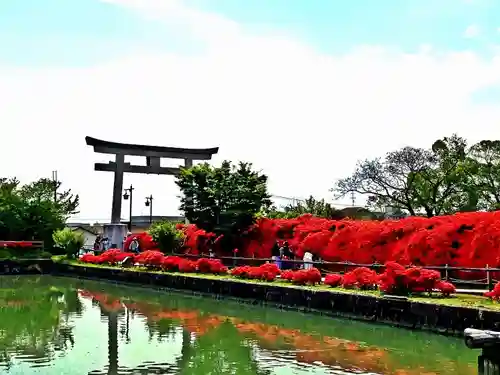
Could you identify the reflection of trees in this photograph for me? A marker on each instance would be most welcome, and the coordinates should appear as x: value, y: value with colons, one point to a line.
x: 31, y: 319
x: 222, y: 351
x: 112, y: 343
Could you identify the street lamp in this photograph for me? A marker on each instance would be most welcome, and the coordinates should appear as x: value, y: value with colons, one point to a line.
x: 149, y: 203
x: 126, y: 196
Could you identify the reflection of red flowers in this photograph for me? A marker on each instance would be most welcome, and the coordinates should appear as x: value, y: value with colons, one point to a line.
x: 106, y: 302
x: 310, y: 348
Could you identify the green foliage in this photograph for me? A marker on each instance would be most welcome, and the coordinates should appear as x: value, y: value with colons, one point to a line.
x: 28, y: 212
x: 167, y: 236
x: 223, y: 199
x: 311, y: 205
x: 68, y: 240
x: 449, y: 177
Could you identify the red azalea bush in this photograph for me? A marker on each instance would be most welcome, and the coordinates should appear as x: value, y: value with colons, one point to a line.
x: 145, y: 241
x: 214, y: 266
x: 186, y: 265
x: 16, y: 244
x: 460, y: 240
x: 495, y: 293
x: 150, y: 258
x: 361, y: 278
x: 333, y: 279
x: 399, y: 280
x: 171, y: 263
x: 265, y: 272
x: 446, y: 288
x: 311, y: 276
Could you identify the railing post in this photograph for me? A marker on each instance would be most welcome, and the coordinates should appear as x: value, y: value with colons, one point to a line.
x: 488, y: 278
x: 446, y: 275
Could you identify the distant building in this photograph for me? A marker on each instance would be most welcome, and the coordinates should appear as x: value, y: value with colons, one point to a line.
x: 89, y: 233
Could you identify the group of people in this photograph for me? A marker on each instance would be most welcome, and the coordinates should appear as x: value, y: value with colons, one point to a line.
x: 102, y: 244
x: 281, y: 255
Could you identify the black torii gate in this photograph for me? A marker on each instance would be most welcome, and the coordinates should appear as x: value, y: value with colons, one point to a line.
x: 153, y: 155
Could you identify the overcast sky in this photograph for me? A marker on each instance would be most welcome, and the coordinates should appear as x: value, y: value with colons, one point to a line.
x: 302, y: 89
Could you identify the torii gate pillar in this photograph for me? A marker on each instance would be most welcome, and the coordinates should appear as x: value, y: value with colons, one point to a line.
x: 153, y: 155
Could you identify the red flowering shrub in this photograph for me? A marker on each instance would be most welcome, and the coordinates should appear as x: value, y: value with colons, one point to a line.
x: 145, y: 241
x: 16, y: 244
x: 446, y: 288
x: 186, y: 265
x: 400, y: 281
x: 361, y: 278
x: 196, y: 240
x: 461, y: 240
x: 495, y: 293
x: 266, y: 272
x: 215, y: 266
x: 170, y: 263
x: 150, y: 258
x: 311, y: 276
x: 333, y: 280
x: 287, y: 275
x: 90, y: 258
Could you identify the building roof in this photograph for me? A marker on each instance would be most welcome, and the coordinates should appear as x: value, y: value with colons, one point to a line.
x: 86, y: 228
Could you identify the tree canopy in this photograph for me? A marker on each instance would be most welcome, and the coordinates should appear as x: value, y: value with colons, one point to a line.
x: 223, y: 199
x: 448, y: 177
x: 311, y: 205
x: 30, y: 212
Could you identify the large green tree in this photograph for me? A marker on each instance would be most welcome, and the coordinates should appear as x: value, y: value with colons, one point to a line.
x: 223, y: 199
x: 416, y: 180
x: 33, y: 211
x: 483, y: 170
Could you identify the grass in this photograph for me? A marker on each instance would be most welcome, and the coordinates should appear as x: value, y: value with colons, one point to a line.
x: 462, y: 300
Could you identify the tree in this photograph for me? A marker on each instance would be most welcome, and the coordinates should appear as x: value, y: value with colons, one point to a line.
x: 414, y: 179
x: 29, y: 212
x: 44, y: 189
x: 483, y: 169
x: 223, y: 199
x: 68, y: 241
x: 311, y: 205
x: 167, y: 236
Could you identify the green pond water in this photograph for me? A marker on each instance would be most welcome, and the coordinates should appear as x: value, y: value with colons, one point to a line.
x: 62, y: 326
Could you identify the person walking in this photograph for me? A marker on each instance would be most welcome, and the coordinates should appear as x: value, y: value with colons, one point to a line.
x: 308, y: 258
x: 134, y: 246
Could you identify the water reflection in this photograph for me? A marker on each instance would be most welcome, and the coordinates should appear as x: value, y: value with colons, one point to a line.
x: 50, y: 325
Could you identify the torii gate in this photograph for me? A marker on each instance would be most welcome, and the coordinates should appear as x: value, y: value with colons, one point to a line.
x: 153, y: 154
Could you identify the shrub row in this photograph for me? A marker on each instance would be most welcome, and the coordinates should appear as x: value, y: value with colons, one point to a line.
x: 156, y: 259
x: 396, y: 279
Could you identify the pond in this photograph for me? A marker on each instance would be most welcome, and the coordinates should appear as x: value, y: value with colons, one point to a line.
x: 62, y: 326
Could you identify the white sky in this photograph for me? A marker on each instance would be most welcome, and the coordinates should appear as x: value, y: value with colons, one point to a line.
x: 301, y: 116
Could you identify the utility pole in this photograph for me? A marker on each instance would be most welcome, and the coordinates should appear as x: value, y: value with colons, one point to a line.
x: 149, y: 203
x: 128, y: 194
x: 54, y: 180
